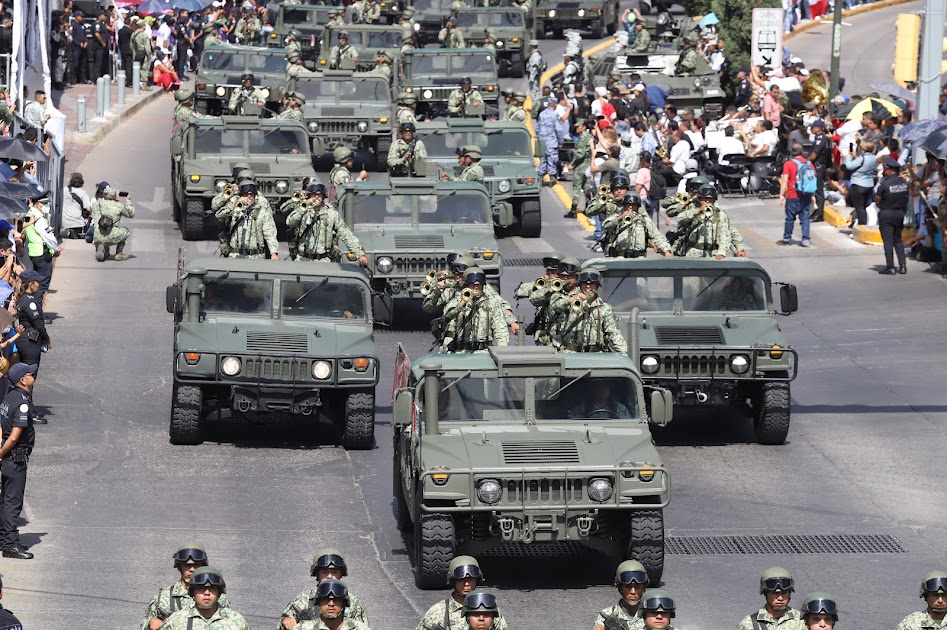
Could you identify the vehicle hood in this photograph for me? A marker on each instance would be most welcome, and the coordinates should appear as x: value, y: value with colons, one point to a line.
x: 698, y: 330
x: 424, y: 240
x: 241, y: 335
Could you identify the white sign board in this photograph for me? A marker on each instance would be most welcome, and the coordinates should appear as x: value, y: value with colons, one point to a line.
x: 767, y: 48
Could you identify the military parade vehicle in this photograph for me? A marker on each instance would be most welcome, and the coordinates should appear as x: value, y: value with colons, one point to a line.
x: 348, y: 109
x: 429, y: 17
x: 711, y: 333
x: 431, y: 74
x: 508, y: 449
x: 509, y: 171
x: 408, y: 226
x: 367, y: 39
x: 598, y: 16
x: 310, y: 20
x: 203, y: 155
x: 220, y: 70
x: 510, y: 34
x: 263, y: 338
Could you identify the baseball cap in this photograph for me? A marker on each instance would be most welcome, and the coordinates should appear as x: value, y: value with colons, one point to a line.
x: 20, y: 370
x: 818, y: 123
x: 30, y: 276
x: 102, y: 185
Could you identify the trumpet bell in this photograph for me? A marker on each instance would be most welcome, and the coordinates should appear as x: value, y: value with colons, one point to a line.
x: 431, y: 275
x: 467, y: 294
x: 540, y: 283
x: 426, y: 288
x: 557, y: 284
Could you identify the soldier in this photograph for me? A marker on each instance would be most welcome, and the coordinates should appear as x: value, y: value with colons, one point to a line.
x: 407, y: 104
x: 372, y: 12
x: 677, y: 203
x: 244, y: 94
x: 629, y: 234
x: 480, y: 611
x: 642, y: 39
x: 515, y: 112
x: 581, y: 160
x: 776, y: 586
x: 450, y: 36
x: 572, y: 72
x: 599, y: 404
x: 328, y: 564
x: 934, y: 593
x: 609, y: 204
x: 332, y: 601
x: 383, y: 63
x: 463, y: 98
x: 292, y: 111
x: 210, y: 35
x: 456, y: 6
x: 489, y: 42
x: 407, y: 43
x: 590, y: 325
x: 657, y: 610
x: 184, y: 110
x: 631, y: 580
x: 819, y: 611
x: 474, y: 320
x: 708, y: 232
x: 337, y: 17
x: 539, y: 292
x: 535, y: 66
x: 405, y: 152
x: 340, y: 173
x: 317, y: 226
x: 549, y: 131
x: 141, y: 49
x: 686, y: 64
x: 187, y: 559
x: 107, y: 213
x: 463, y: 575
x: 445, y: 288
x: 206, y: 587
x: 469, y: 158
x: 251, y: 231
x: 295, y: 68
x: 294, y: 43
x: 342, y: 52
x: 248, y: 28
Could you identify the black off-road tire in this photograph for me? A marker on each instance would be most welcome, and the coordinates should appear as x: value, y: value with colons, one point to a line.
x: 518, y: 70
x: 598, y: 29
x: 771, y: 411
x: 358, y: 425
x: 402, y: 512
x: 531, y: 219
x: 434, y: 545
x: 192, y: 223
x: 646, y: 543
x: 381, y: 154
x: 186, y: 406
x: 540, y: 29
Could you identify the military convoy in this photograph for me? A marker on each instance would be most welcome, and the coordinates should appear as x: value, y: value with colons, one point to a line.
x: 711, y: 334
x: 220, y: 70
x: 310, y: 20
x: 509, y: 447
x: 257, y: 338
x: 431, y: 74
x: 367, y: 39
x: 598, y: 16
x: 510, y: 33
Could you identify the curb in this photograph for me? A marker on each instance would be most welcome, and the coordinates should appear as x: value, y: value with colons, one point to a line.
x: 870, y: 235
x: 113, y: 120
x: 865, y: 8
x: 833, y: 217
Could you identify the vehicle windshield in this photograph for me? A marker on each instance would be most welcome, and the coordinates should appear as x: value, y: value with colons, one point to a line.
x: 452, y: 65
x: 490, y: 18
x: 720, y: 291
x: 511, y: 143
x: 371, y: 40
x: 431, y: 209
x: 302, y: 16
x: 430, y: 5
x: 323, y: 299
x: 346, y: 91
x: 217, y: 141
x: 242, y: 296
x: 239, y: 62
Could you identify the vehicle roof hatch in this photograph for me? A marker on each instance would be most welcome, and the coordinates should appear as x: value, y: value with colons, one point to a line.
x: 527, y: 360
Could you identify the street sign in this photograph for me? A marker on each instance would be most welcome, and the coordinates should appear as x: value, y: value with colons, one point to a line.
x: 767, y: 47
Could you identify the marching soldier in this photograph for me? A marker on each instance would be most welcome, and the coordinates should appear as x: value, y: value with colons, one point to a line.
x: 107, y: 213
x: 317, y: 227
x: 631, y: 580
x: 328, y: 565
x: 581, y: 159
x: 184, y: 110
x: 535, y: 66
x: 686, y: 64
x: 675, y: 204
x: 480, y: 611
x: 340, y: 174
x: 405, y: 152
x: 187, y: 559
x: 450, y: 36
x: 407, y: 104
x: 708, y: 232
x: 609, y: 203
x: 934, y: 593
x: 474, y: 320
x: 331, y: 602
x: 244, y: 94
x: 627, y: 235
x: 776, y: 586
x: 590, y: 324
x: 657, y: 610
x: 515, y: 112
x: 383, y: 63
x: 469, y: 158
x: 342, y: 52
x: 293, y: 43
x: 206, y: 587
x: 463, y: 98
x: 539, y: 293
x: 292, y: 111
x: 251, y: 231
x: 463, y: 576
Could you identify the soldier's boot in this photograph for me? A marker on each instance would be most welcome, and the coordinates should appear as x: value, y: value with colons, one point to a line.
x: 571, y: 213
x: 119, y: 254
x: 100, y: 253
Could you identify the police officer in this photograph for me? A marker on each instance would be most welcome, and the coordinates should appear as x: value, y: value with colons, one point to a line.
x: 317, y: 227
x: 481, y: 612
x: 891, y: 197
x: 590, y: 324
x: 206, y: 587
x: 187, y: 559
x: 405, y: 152
x: 463, y: 576
x: 341, y: 174
x: 819, y: 611
x: 251, y: 230
x: 708, y: 232
x: 549, y: 131
x: 631, y: 580
x: 332, y: 601
x: 535, y: 66
x: 934, y: 593
x: 342, y: 52
x: 469, y: 158
x: 19, y: 437
x: 657, y: 609
x: 327, y: 564
x: 30, y: 313
x: 8, y: 620
x: 777, y: 587
x: 628, y: 234
x: 474, y: 320
x: 247, y: 93
x: 463, y: 99
x: 820, y: 156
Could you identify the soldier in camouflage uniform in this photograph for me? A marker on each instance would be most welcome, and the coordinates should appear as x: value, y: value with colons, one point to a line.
x: 534, y: 68
x: 295, y: 69
x: 657, y: 610
x: 293, y: 43
x: 708, y: 232
x: 819, y: 611
x: 141, y: 47
x: 211, y: 37
x: 341, y: 173
x: 675, y: 204
x: 480, y: 611
x: 463, y: 98
x: 629, y: 234
x: 332, y: 601
x: 515, y: 111
x: 631, y: 580
x: 686, y: 64
x: 934, y: 593
x: 407, y: 103
x: 489, y: 42
x: 317, y: 227
x: 610, y: 204
x: 474, y: 320
x: 469, y: 158
x: 568, y: 273
x: 188, y: 558
x: 244, y: 94
x: 206, y: 612
x: 372, y: 12
x: 463, y: 575
x: 241, y: 173
x: 447, y: 289
x: 107, y: 213
x: 248, y: 28
x: 251, y: 231
x: 292, y: 111
x: 405, y: 152
x: 184, y: 112
x: 327, y: 565
x: 590, y: 325
x: 450, y: 36
x: 538, y: 292
x: 383, y: 64
x: 407, y: 42
x: 776, y: 585
x: 342, y: 52
x: 581, y: 159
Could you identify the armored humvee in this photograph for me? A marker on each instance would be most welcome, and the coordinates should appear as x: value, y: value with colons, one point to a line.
x: 431, y: 74
x: 310, y: 20
x: 257, y: 337
x: 510, y: 32
x: 203, y: 155
x: 367, y: 39
x: 710, y: 334
x: 429, y: 17
x: 598, y: 16
x: 220, y: 69
x: 509, y: 171
x: 510, y: 448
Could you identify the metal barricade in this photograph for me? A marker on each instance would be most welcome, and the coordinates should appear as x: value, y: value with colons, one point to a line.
x: 50, y: 175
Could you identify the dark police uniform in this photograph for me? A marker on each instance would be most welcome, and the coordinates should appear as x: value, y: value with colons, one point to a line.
x: 16, y: 411
x: 100, y: 53
x: 892, y: 199
x: 8, y: 620
x: 821, y: 154
x: 30, y: 343
x: 742, y: 93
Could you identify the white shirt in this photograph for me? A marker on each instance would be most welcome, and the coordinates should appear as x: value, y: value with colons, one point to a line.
x: 696, y: 138
x: 847, y: 133
x: 767, y: 138
x: 729, y: 146
x: 164, y: 36
x: 716, y: 60
x: 680, y: 153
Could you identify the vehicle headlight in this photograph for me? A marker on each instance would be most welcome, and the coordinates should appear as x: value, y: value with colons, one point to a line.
x: 220, y: 91
x: 265, y: 92
x: 581, y: 12
x: 282, y: 186
x: 739, y: 364
x: 646, y: 475
x: 313, y: 126
x: 384, y: 264
x: 488, y: 254
x: 362, y: 126
x: 650, y: 364
x: 417, y: 27
x: 499, y: 43
x: 219, y: 184
x: 488, y: 491
x: 600, y: 490
x: 428, y: 93
x: 230, y: 366
x: 504, y: 186
x: 321, y: 370
x: 552, y: 13
x: 697, y: 83
x: 775, y: 353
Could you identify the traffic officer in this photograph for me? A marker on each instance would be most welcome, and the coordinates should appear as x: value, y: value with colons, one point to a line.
x: 550, y: 132
x: 934, y: 592
x: 631, y: 580
x: 317, y: 227
x: 474, y: 320
x: 686, y: 64
x: 708, y: 232
x: 629, y: 234
x: 30, y: 314
x: 187, y: 559
x: 107, y: 213
x: 463, y: 575
x: 341, y: 174
x: 590, y: 324
x: 331, y: 600
x: 535, y: 66
x: 450, y: 36
x: 406, y: 152
x: 292, y: 111
x: 581, y: 160
x: 891, y: 197
x: 407, y: 104
x: 515, y: 112
x: 8, y: 620
x: 480, y: 611
x: 251, y: 230
x: 342, y: 52
x: 16, y: 424
x: 819, y: 611
x: 777, y: 587
x: 469, y: 158
x: 327, y: 564
x: 657, y: 609
x: 206, y: 587
x: 383, y: 63
x: 184, y: 112
x: 293, y: 43
x: 247, y: 93
x: 464, y: 98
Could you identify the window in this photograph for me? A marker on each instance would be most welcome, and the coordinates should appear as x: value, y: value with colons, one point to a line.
x: 723, y: 292
x: 490, y: 18
x: 482, y: 399
x: 586, y: 398
x: 277, y: 142
x: 362, y: 91
x: 510, y: 143
x: 222, y: 61
x: 431, y: 209
x: 237, y: 296
x: 648, y: 293
x: 323, y: 299
x: 267, y: 64
x: 217, y: 141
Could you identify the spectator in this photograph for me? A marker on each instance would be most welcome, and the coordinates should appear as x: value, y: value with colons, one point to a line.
x: 642, y: 181
x: 862, y: 167
x: 764, y: 141
x: 675, y: 165
x: 836, y: 190
x: 772, y: 110
x: 41, y: 245
x: 76, y: 208
x: 730, y: 145
x: 797, y: 204
x: 163, y: 73
x: 35, y: 112
x: 124, y: 39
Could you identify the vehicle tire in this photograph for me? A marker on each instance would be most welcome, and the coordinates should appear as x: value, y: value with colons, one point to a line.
x: 771, y: 411
x: 531, y: 219
x: 402, y: 513
x: 192, y: 224
x: 358, y: 430
x: 381, y: 154
x: 518, y: 68
x: 646, y: 544
x: 186, y: 406
x: 540, y: 29
x: 613, y: 25
x: 598, y: 29
x: 175, y: 207
x: 434, y: 549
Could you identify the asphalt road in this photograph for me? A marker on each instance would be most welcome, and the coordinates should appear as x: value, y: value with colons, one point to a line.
x: 109, y: 498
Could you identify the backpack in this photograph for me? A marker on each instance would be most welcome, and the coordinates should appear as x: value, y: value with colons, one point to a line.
x: 105, y: 223
x: 658, y: 189
x: 806, y: 181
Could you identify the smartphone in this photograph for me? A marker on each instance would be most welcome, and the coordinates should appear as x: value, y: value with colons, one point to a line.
x: 123, y: 194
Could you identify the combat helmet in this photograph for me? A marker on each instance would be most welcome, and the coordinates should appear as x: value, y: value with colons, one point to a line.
x: 775, y: 579
x: 656, y: 599
x: 407, y: 98
x: 475, y: 275
x: 237, y: 167
x: 551, y: 261
x: 934, y: 582
x: 631, y: 572
x: 569, y: 266
x: 480, y: 601
x: 620, y: 182
x: 296, y: 34
x: 463, y: 566
x: 407, y: 126
x: 316, y: 188
x: 206, y: 576
x: 342, y: 154
x: 461, y: 264
x: 328, y: 558
x: 332, y: 589
x: 190, y: 553
x: 694, y: 184
x: 707, y: 191
x: 631, y: 198
x: 183, y: 96
x: 819, y: 603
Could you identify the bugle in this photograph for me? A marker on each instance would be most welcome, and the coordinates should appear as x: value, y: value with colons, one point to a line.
x: 426, y: 288
x: 230, y: 189
x: 467, y: 295
x: 578, y: 304
x: 299, y: 195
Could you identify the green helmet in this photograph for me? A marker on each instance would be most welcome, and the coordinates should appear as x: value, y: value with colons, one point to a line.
x: 206, y: 576
x: 569, y: 265
x: 475, y: 275
x: 190, y: 553
x: 631, y: 572
x: 328, y: 558
x: 934, y: 582
x: 296, y: 34
x: 183, y: 96
x: 655, y: 599
x: 463, y: 567
x: 342, y: 154
x: 461, y: 264
x: 775, y: 579
x: 694, y: 183
x: 819, y: 603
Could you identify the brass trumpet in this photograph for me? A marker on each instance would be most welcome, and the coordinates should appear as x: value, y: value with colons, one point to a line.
x: 604, y: 192
x: 242, y: 204
x: 299, y: 195
x: 553, y: 285
x: 627, y: 219
x: 467, y: 295
x: 433, y: 275
x: 578, y: 304
x: 427, y: 288
x: 230, y: 189
x: 682, y: 197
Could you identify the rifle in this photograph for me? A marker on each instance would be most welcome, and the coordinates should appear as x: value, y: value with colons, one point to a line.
x: 612, y: 622
x: 409, y: 157
x: 463, y: 331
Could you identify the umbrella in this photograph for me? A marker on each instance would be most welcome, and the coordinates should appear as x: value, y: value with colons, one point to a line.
x: 10, y: 206
x: 14, y: 149
x: 895, y: 90
x: 190, y: 5
x: 936, y: 143
x: 16, y: 190
x: 154, y: 6
x: 878, y: 106
x: 919, y: 130
x: 709, y: 20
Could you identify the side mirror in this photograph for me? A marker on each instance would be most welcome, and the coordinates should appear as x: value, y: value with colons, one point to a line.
x: 177, y: 146
x: 540, y: 148
x: 662, y: 407
x: 504, y: 214
x: 402, y: 412
x: 383, y: 309
x: 171, y: 294
x: 788, y: 299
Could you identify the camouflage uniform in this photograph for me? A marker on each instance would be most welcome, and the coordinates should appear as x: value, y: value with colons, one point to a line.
x: 211, y: 39
x: 631, y: 241
x: 675, y: 204
x: 405, y: 114
x: 251, y: 231
x: 397, y: 167
x: 608, y: 209
x: 292, y: 46
x: 140, y: 42
x: 515, y: 113
x: 116, y: 210
x: 292, y: 113
x: 297, y: 70
x: 581, y: 159
x: 384, y: 69
x: 191, y: 619
x: 920, y: 620
x: 475, y: 326
x: 240, y: 96
x: 338, y: 54
x: 435, y: 617
x: 316, y: 233
x: 354, y: 611
x: 456, y: 103
x: 186, y: 115
x: 642, y: 41
x: 340, y: 175
x: 171, y: 599
x: 457, y: 6
x: 318, y: 624
x: 534, y: 70
x: 248, y: 31
x: 472, y: 173
x: 707, y: 234
x: 686, y: 63
x: 790, y: 620
x: 544, y: 321
x: 594, y: 329
x: 451, y: 38
x: 372, y: 13
x: 633, y: 621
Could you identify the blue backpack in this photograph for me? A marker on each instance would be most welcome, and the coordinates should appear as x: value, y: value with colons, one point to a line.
x: 806, y: 181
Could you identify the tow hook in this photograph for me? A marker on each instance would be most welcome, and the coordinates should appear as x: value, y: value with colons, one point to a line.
x: 243, y: 405
x: 701, y: 396
x: 584, y: 525
x: 305, y: 410
x: 506, y: 528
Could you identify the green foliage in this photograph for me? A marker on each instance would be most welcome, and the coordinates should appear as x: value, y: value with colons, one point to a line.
x: 736, y: 18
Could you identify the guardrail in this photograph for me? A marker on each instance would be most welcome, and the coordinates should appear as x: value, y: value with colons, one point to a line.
x: 50, y: 175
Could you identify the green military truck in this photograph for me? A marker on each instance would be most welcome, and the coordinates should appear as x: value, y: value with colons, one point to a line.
x: 203, y: 155
x: 598, y: 16
x: 509, y: 170
x: 521, y: 446
x: 429, y: 18
x: 431, y: 74
x: 711, y: 333
x: 510, y: 33
x: 220, y: 70
x: 258, y: 337
x: 367, y: 39
x: 345, y: 108
x: 310, y: 20
x: 408, y: 226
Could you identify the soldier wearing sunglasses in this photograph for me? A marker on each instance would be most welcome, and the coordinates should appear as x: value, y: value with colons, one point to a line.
x: 481, y: 612
x: 819, y: 612
x: 631, y: 579
x: 777, y: 586
x: 463, y: 575
x: 934, y: 592
x: 657, y: 610
x: 327, y: 564
x: 187, y: 559
x: 206, y: 587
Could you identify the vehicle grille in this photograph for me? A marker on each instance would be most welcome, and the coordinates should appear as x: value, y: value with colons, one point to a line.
x: 440, y: 93
x: 279, y: 369
x: 545, y: 452
x: 338, y: 111
x: 688, y: 335
x: 694, y: 366
x: 414, y: 242
x: 271, y: 342
x: 573, y: 14
x: 419, y: 265
x: 338, y: 126
x: 543, y: 491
